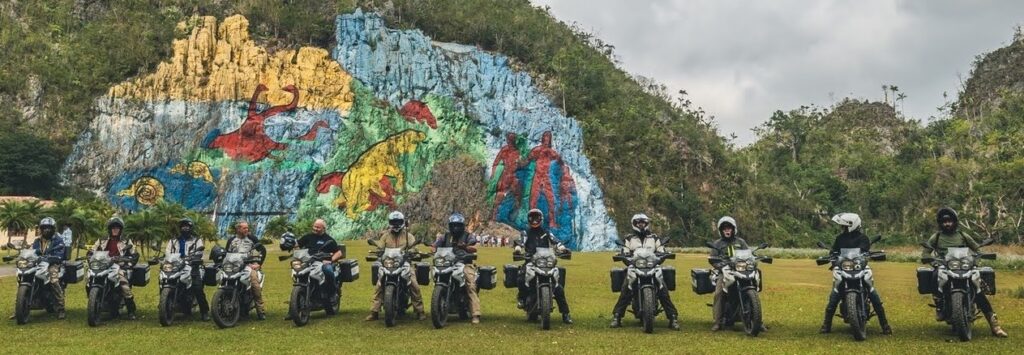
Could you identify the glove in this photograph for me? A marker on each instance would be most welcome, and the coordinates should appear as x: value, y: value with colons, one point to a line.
x: 562, y: 249
x: 517, y: 250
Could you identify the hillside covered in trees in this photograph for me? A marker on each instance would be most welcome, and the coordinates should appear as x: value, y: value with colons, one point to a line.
x: 651, y: 151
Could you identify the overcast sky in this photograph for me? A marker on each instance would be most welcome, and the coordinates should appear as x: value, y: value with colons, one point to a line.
x: 742, y: 60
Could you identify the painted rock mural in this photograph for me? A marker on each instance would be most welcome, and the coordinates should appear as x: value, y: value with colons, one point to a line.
x: 228, y: 128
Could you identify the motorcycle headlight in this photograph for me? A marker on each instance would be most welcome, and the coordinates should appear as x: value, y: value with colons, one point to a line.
x: 24, y: 264
x: 954, y: 265
x: 966, y: 265
x: 741, y: 266
x: 858, y: 266
x: 98, y: 266
x: 847, y: 265
x: 641, y: 263
x: 442, y: 262
x: 231, y: 268
x: 296, y: 265
x: 389, y: 263
x: 545, y: 262
x: 167, y: 267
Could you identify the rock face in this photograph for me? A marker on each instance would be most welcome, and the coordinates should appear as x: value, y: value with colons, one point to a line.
x: 227, y: 128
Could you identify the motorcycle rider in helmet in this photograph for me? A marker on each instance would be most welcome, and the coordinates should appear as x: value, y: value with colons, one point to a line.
x: 48, y: 246
x: 853, y: 237
x: 950, y: 237
x: 185, y: 244
x: 725, y: 246
x: 462, y: 243
x: 642, y: 237
x: 397, y: 236
x: 117, y: 245
x: 536, y: 236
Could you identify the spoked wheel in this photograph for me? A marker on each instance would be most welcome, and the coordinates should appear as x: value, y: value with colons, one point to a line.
x: 298, y: 309
x: 545, y: 307
x: 225, y: 309
x: 166, y: 307
x: 647, y: 305
x: 439, y: 307
x: 960, y: 317
x: 751, y: 313
x: 22, y: 304
x: 390, y: 306
x: 855, y: 317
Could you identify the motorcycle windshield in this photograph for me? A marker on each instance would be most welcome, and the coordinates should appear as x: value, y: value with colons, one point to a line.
x: 28, y: 254
x: 742, y: 254
x: 645, y: 252
x: 958, y: 253
x: 849, y: 253
x: 445, y: 253
x: 393, y: 253
x: 234, y: 259
x: 301, y: 254
x: 172, y: 258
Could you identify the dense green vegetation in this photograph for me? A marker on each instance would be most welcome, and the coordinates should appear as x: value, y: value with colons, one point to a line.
x: 809, y: 162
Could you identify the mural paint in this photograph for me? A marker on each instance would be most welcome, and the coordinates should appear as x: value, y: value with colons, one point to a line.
x: 346, y: 138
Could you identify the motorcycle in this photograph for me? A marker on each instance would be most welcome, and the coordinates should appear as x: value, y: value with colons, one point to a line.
x: 854, y: 282
x: 233, y: 298
x: 647, y: 276
x: 742, y: 289
x: 395, y: 273
x: 958, y: 280
x: 104, y: 288
x: 309, y: 287
x: 450, y: 287
x: 541, y: 274
x: 176, y: 285
x: 35, y: 274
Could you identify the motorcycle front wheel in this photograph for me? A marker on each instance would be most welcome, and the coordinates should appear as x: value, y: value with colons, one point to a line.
x: 854, y: 317
x: 225, y: 309
x: 647, y: 305
x: 960, y: 316
x: 439, y: 307
x: 390, y: 306
x: 298, y: 308
x: 544, y: 307
x: 95, y: 307
x: 166, y: 307
x: 23, y: 304
x: 752, y: 323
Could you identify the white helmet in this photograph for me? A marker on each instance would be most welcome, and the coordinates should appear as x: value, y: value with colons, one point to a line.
x: 846, y: 219
x: 731, y: 222
x: 638, y: 218
x: 397, y: 221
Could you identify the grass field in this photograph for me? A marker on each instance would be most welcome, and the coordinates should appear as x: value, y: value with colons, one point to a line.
x: 794, y: 296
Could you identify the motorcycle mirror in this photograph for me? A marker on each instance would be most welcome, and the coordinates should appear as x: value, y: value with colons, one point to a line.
x: 927, y: 260
x: 619, y: 243
x: 152, y: 262
x: 715, y: 259
x: 762, y: 246
x: 987, y: 256
x: 9, y: 258
x: 767, y: 260
x: 201, y: 248
x: 879, y: 256
x: 709, y: 245
x: 663, y: 240
x: 822, y: 261
x: 619, y: 258
x: 469, y: 258
x: 518, y: 257
x: 925, y: 244
x: 822, y: 245
x: 565, y: 256
x: 670, y: 256
x: 876, y: 239
x: 987, y: 242
x: 371, y: 258
x: 283, y: 257
x: 80, y: 258
x: 373, y: 243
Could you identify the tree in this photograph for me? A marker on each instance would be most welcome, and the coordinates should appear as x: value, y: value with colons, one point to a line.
x: 18, y: 217
x: 28, y: 164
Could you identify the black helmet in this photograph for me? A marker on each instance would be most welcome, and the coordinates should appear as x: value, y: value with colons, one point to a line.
x: 945, y: 214
x: 287, y: 243
x: 535, y: 215
x: 217, y: 254
x: 115, y: 221
x: 457, y: 224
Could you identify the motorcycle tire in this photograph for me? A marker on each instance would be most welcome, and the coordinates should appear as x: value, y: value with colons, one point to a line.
x: 752, y: 323
x: 22, y: 305
x: 95, y: 307
x: 390, y: 308
x: 225, y: 311
x: 648, y: 303
x: 854, y: 317
x: 166, y: 307
x: 960, y: 316
x: 544, y: 307
x: 439, y: 307
x: 299, y: 307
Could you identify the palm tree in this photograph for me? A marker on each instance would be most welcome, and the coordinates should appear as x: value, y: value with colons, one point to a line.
x: 146, y: 229
x: 18, y: 217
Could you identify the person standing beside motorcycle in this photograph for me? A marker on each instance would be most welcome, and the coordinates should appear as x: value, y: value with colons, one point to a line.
x: 48, y: 245
x: 949, y: 236
x: 642, y: 237
x: 318, y: 241
x: 397, y: 236
x: 852, y: 237
x: 724, y: 247
x: 538, y: 237
x: 243, y: 242
x: 462, y: 243
x: 118, y: 246
x: 186, y: 244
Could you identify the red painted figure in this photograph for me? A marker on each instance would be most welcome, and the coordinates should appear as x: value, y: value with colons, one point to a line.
x: 509, y: 157
x: 544, y: 155
x: 250, y: 141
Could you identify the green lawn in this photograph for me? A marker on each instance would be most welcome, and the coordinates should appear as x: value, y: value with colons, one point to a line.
x: 795, y: 293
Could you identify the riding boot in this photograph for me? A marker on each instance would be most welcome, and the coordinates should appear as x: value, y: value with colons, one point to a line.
x: 616, y: 321
x: 371, y: 317
x: 826, y: 324
x: 993, y: 323
x: 939, y: 316
x: 673, y: 323
x: 566, y: 318
x: 130, y: 304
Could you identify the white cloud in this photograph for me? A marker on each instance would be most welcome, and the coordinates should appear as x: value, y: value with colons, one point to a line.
x: 742, y: 60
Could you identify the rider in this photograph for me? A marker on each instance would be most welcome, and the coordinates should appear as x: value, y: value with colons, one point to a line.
x: 462, y: 243
x: 397, y: 236
x: 243, y: 242
x: 724, y: 247
x: 118, y: 246
x: 49, y: 246
x: 186, y: 244
x: 538, y: 237
x: 852, y: 237
x: 318, y: 241
x: 950, y: 237
x: 642, y: 237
